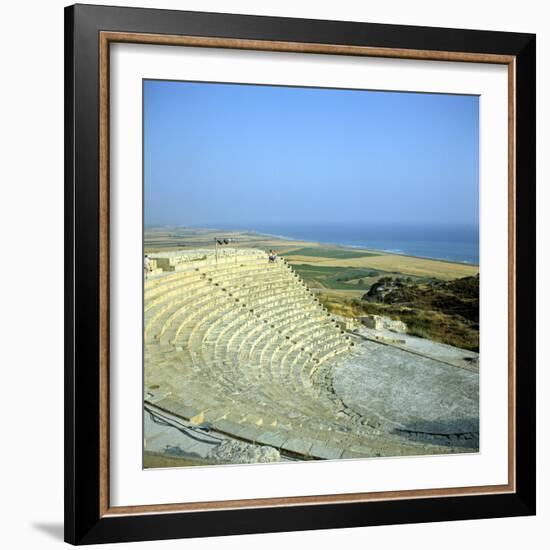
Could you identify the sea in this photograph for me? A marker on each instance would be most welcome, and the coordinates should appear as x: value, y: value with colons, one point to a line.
x: 456, y: 243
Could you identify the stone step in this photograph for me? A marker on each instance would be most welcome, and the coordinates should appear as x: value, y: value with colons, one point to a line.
x: 244, y: 347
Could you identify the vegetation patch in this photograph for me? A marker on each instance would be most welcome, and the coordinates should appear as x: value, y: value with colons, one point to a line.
x: 444, y: 311
x: 159, y: 460
x: 337, y: 253
x: 338, y: 277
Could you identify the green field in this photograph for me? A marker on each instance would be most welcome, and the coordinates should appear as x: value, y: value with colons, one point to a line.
x: 337, y: 253
x: 337, y: 277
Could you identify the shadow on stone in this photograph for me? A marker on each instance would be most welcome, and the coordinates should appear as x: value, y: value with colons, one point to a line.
x: 448, y: 433
x: 177, y: 451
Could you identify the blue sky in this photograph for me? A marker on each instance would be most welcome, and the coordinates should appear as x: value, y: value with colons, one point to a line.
x: 226, y: 154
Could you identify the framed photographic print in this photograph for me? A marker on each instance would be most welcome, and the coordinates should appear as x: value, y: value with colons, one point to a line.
x: 300, y: 283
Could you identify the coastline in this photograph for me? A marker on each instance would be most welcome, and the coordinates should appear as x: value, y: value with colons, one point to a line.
x: 176, y: 236
x: 362, y: 248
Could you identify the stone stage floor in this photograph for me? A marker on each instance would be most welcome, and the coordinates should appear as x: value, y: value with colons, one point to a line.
x: 414, y: 390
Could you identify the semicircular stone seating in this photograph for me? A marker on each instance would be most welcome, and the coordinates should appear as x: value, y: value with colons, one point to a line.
x: 241, y: 343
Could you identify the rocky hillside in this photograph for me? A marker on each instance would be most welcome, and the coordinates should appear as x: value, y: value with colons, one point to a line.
x: 446, y: 311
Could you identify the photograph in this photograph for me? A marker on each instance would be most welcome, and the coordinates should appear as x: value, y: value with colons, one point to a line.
x: 299, y: 273
x: 310, y: 273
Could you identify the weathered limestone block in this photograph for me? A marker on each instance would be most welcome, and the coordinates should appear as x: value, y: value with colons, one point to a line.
x: 379, y: 322
x: 238, y: 452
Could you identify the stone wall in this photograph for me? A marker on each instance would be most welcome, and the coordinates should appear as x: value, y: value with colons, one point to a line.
x: 380, y: 322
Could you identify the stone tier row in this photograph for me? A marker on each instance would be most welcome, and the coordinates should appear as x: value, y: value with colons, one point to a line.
x: 245, y: 346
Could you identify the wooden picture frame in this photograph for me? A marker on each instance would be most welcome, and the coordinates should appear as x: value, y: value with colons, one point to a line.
x: 89, y: 32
